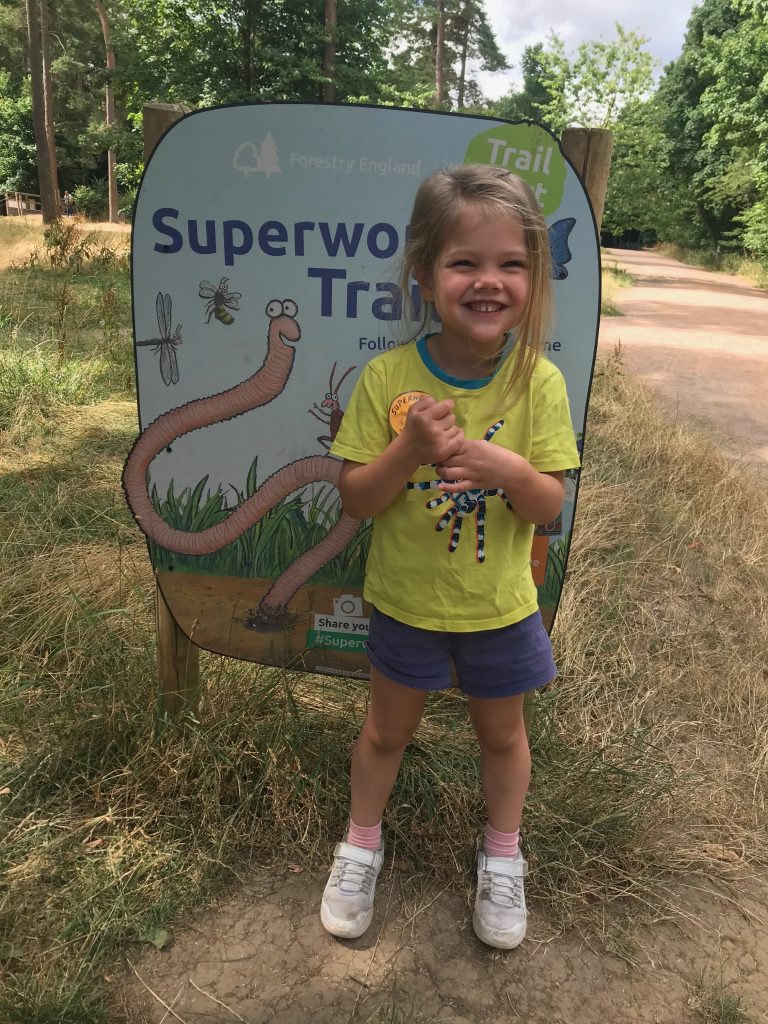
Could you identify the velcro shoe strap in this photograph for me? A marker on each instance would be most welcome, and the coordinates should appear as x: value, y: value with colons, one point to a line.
x: 511, y: 866
x: 356, y: 854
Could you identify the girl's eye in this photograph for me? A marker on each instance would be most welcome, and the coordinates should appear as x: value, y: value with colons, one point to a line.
x: 460, y: 263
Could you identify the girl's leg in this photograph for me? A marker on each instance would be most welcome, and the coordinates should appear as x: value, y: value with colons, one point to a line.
x: 500, y: 915
x: 393, y: 715
x: 505, y: 758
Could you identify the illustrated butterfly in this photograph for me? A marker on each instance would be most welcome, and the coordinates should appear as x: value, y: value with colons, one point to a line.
x: 558, y: 247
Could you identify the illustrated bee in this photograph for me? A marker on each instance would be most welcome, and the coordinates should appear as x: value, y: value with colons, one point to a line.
x: 220, y: 300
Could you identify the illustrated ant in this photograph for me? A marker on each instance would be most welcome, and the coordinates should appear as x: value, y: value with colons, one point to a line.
x: 335, y: 414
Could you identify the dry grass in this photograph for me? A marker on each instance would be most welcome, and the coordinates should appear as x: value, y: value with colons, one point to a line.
x: 754, y: 271
x: 21, y: 237
x: 672, y: 554
x: 613, y: 280
x: 114, y: 822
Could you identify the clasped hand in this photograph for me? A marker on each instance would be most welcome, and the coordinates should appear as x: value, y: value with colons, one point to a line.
x: 431, y: 432
x: 479, y: 465
x: 435, y: 439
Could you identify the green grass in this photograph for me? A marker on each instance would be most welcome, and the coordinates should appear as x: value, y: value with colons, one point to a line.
x: 714, y: 1002
x: 614, y: 278
x: 267, y: 548
x: 115, y: 823
x: 724, y: 262
x: 549, y: 592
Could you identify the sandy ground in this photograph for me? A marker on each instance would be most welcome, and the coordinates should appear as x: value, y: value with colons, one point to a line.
x: 700, y: 340
x: 262, y: 956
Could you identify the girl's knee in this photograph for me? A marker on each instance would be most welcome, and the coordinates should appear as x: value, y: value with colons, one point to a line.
x: 387, y: 739
x: 502, y: 739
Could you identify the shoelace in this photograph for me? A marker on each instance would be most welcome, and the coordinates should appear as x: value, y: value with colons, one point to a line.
x: 506, y: 890
x: 350, y: 873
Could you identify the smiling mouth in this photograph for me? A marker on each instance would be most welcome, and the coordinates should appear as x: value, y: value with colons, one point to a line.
x: 485, y: 307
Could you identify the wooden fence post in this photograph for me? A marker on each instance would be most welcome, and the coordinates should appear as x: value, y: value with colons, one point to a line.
x: 158, y: 118
x: 178, y: 658
x: 589, y: 150
x: 178, y: 662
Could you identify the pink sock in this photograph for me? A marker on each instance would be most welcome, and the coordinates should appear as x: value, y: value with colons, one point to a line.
x: 501, y: 844
x: 366, y: 838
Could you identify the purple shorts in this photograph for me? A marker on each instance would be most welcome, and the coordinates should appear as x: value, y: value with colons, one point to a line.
x: 489, y: 663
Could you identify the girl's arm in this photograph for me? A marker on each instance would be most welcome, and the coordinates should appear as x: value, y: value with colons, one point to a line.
x: 430, y: 434
x: 537, y: 497
x: 367, y: 488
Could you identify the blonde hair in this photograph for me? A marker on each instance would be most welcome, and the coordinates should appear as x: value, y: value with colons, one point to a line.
x: 436, y: 207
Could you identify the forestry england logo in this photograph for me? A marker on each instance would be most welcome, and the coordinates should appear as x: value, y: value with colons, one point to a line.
x: 250, y: 158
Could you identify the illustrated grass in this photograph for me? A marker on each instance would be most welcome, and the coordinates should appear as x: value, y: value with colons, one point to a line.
x: 113, y: 822
x: 287, y: 531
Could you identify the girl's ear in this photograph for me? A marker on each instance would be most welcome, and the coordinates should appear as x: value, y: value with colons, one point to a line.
x: 425, y: 285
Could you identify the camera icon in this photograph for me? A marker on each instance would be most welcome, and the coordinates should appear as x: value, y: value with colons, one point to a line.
x: 347, y: 604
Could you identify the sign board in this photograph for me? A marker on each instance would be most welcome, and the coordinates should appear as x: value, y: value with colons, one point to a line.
x: 265, y: 259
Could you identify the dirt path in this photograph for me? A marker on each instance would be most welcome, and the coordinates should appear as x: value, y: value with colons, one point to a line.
x: 262, y: 957
x: 700, y: 340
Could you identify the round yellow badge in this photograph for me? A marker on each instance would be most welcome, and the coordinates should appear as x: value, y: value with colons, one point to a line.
x: 398, y: 410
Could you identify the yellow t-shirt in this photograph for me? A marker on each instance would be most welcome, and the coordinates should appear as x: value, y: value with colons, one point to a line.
x: 441, y: 567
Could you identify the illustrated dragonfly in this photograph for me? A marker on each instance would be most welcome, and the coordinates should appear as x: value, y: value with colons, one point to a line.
x: 167, y: 343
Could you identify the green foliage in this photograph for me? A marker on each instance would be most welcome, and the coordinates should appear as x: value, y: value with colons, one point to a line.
x: 690, y: 165
x: 713, y: 114
x: 588, y: 88
x: 30, y: 378
x: 535, y: 97
x: 549, y: 592
x: 231, y: 53
x: 18, y: 165
x: 91, y: 200
x: 469, y: 41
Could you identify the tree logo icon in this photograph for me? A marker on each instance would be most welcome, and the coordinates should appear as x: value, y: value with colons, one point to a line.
x: 265, y: 160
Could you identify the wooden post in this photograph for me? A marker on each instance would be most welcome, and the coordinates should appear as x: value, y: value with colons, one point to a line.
x: 589, y: 150
x: 178, y: 662
x: 158, y: 118
x: 178, y: 658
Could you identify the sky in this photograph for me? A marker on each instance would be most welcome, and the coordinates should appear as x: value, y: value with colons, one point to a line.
x: 517, y: 24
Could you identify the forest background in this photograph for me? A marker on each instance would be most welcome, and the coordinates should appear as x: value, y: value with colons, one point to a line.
x: 690, y: 162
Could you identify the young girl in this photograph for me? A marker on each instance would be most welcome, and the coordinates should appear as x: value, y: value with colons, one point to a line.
x: 456, y: 446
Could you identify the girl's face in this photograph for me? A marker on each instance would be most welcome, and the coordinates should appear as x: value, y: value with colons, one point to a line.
x: 480, y: 280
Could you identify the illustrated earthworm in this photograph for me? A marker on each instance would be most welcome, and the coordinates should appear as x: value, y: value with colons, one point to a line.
x: 259, y: 389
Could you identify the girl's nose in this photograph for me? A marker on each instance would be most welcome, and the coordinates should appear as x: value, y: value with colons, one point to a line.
x: 487, y: 279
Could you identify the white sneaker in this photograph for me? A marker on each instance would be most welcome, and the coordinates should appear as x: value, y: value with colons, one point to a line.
x: 347, y: 906
x: 500, y: 915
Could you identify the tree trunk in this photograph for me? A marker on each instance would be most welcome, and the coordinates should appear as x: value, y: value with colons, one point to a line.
x: 465, y: 17
x: 110, y: 112
x: 47, y: 195
x: 329, y: 56
x: 246, y: 35
x: 440, y: 54
x: 48, y: 98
